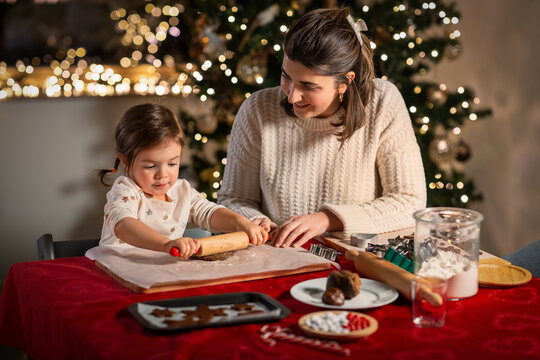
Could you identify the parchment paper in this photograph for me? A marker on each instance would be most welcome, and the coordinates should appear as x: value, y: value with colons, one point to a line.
x: 147, y: 268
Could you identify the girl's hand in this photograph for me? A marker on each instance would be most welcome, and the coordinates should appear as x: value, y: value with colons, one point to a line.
x: 257, y: 234
x: 186, y: 246
x: 265, y: 223
x: 297, y: 230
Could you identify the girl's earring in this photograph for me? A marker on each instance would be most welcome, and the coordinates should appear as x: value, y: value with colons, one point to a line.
x: 340, y: 96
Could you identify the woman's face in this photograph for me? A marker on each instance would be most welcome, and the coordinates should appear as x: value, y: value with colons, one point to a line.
x: 311, y: 94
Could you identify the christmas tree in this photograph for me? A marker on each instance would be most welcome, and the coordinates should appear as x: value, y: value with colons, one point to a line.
x: 218, y: 52
x: 407, y: 37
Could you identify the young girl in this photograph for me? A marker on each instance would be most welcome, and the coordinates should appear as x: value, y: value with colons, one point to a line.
x: 332, y: 149
x: 150, y: 207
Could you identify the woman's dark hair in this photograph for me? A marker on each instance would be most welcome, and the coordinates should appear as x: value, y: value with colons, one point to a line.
x: 141, y: 127
x: 324, y: 41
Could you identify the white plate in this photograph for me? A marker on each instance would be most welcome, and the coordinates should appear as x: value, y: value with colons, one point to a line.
x: 372, y: 294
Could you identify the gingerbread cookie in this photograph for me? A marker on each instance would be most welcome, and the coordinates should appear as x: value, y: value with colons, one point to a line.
x: 204, y: 314
x: 242, y: 307
x: 162, y: 313
x: 216, y: 257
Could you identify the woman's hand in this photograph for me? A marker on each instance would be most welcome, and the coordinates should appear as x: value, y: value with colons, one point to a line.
x: 186, y: 246
x: 297, y: 230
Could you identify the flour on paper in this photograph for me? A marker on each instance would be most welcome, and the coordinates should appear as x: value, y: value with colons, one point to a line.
x: 147, y: 268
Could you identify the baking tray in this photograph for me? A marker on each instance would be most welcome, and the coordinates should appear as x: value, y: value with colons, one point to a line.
x: 193, y: 312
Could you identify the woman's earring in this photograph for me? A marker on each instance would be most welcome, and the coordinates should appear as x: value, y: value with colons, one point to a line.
x: 340, y: 96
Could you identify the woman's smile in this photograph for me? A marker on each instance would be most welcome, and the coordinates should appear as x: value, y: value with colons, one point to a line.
x: 300, y: 107
x: 310, y: 93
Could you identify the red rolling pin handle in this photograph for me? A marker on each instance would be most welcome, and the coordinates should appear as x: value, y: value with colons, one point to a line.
x: 174, y: 251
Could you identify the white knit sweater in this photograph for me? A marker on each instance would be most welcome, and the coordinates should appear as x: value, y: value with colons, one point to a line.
x: 279, y: 166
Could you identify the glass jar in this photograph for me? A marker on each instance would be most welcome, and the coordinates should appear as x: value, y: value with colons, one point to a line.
x: 446, y: 245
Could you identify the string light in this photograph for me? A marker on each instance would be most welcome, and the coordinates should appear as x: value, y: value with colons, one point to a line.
x: 145, y: 70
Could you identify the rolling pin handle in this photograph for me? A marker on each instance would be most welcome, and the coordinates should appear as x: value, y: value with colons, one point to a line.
x: 175, y: 251
x: 432, y: 298
x: 351, y: 255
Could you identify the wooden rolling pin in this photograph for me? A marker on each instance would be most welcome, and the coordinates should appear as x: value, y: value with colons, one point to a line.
x: 222, y: 243
x: 373, y: 267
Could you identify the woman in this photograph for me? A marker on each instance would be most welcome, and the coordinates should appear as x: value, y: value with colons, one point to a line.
x: 332, y: 149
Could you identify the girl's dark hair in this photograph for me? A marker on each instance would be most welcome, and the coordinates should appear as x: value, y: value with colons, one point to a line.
x: 141, y: 127
x: 324, y: 41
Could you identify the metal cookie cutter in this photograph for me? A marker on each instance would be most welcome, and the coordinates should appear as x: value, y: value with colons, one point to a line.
x: 427, y: 249
x: 362, y: 240
x: 325, y: 252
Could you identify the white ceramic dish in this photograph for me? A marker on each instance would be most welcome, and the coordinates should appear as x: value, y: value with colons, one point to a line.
x: 372, y: 294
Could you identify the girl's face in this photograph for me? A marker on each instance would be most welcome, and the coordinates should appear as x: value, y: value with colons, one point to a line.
x: 311, y: 94
x: 155, y: 169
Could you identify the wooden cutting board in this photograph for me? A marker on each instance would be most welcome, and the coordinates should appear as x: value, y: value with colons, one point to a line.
x: 180, y: 285
x: 496, y: 272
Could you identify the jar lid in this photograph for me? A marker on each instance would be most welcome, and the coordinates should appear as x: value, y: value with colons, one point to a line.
x: 448, y: 215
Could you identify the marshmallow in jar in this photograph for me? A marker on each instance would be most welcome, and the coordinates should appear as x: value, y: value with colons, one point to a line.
x: 446, y: 245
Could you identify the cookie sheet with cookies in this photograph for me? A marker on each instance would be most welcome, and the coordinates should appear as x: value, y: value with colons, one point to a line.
x: 197, y: 312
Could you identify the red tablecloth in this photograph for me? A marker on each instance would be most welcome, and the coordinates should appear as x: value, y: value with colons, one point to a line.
x: 69, y: 309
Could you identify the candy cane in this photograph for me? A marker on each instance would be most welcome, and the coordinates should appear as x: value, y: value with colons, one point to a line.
x: 269, y: 335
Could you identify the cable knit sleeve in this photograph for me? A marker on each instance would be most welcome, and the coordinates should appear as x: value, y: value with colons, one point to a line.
x: 241, y: 190
x: 400, y: 169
